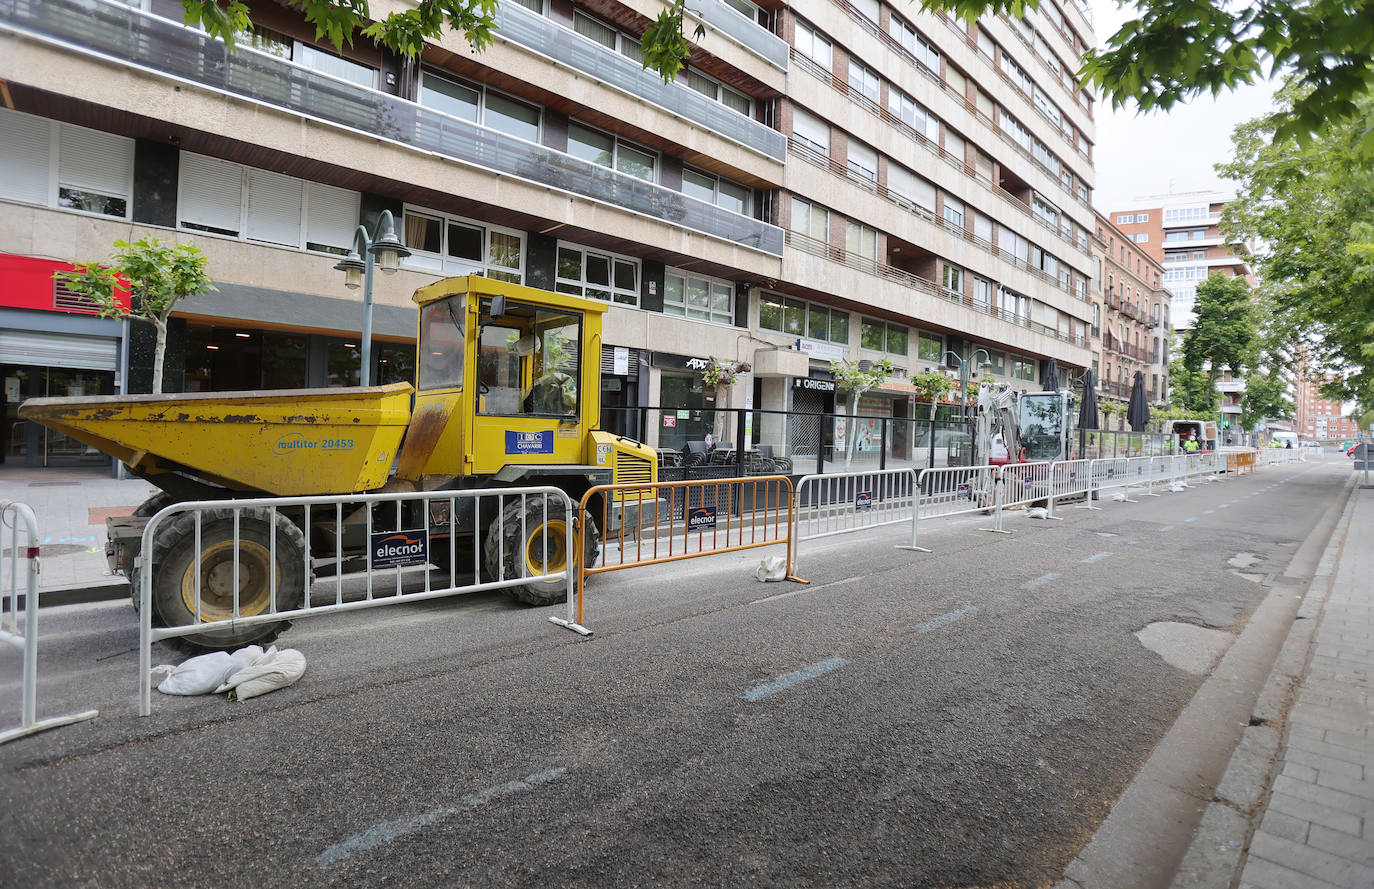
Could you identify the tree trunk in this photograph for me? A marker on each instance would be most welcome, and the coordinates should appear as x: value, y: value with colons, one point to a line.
x: 158, y: 352
x: 719, y: 427
x: 851, y: 428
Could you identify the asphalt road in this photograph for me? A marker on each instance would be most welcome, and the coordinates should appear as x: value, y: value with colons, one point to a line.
x: 963, y: 718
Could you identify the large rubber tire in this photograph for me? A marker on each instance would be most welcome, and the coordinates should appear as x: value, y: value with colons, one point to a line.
x: 153, y: 505
x: 174, y: 561
x: 515, y: 548
x: 147, y: 509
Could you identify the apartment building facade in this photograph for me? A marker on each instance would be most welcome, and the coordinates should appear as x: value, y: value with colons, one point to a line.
x: 1134, y: 311
x: 829, y: 181
x: 1319, y: 418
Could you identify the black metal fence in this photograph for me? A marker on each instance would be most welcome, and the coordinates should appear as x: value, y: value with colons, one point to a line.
x: 696, y: 444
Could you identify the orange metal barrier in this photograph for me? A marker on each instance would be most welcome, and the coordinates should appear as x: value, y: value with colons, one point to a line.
x: 1240, y: 463
x: 684, y: 520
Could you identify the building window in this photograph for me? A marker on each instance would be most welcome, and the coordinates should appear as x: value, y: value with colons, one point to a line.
x: 812, y: 44
x: 479, y: 105
x: 982, y: 292
x: 998, y: 360
x: 930, y: 347
x: 1185, y: 214
x: 597, y: 275
x: 451, y: 245
x: 861, y: 240
x: 704, y: 299
x: 1012, y: 127
x: 953, y: 212
x: 881, y: 336
x: 914, y: 43
x: 953, y: 279
x: 796, y: 317
x: 93, y: 172
x: 811, y: 220
x: 308, y: 56
x: 1022, y: 368
x: 608, y: 151
x: 913, y: 114
x: 1141, y: 237
x: 1015, y: 73
x: 810, y: 133
x: 715, y: 190
x: 862, y: 163
x: 714, y: 89
x: 230, y: 199
x: 863, y: 81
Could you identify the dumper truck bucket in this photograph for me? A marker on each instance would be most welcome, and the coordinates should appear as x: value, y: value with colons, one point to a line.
x: 291, y: 442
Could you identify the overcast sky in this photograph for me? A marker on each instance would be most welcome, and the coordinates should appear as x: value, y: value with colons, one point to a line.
x: 1137, y: 155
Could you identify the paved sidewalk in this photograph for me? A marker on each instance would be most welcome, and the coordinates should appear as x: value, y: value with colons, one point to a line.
x: 71, y: 506
x: 1295, y: 809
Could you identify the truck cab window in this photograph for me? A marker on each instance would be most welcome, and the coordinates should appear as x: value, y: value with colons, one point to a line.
x: 441, y: 345
x: 528, y: 363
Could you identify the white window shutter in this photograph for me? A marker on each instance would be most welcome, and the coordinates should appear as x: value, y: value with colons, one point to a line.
x: 902, y: 181
x: 211, y: 192
x: 25, y: 143
x: 333, y: 216
x: 812, y: 129
x: 274, y: 208
x: 96, y: 162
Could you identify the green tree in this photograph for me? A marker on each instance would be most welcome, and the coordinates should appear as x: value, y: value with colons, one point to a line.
x: 1192, y: 392
x: 158, y: 277
x: 854, y: 379
x: 932, y: 386
x: 1309, y: 210
x: 1223, y: 335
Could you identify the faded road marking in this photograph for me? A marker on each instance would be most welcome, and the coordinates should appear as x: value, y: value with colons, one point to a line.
x: 1208, y: 511
x: 799, y: 591
x: 945, y: 620
x: 1166, y: 528
x: 1044, y: 578
x: 1094, y: 558
x: 1191, y: 519
x: 399, y: 827
x: 797, y: 677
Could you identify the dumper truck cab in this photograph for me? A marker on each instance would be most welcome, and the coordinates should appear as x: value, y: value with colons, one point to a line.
x: 507, y: 395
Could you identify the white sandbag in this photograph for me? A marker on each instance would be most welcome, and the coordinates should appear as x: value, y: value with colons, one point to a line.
x: 274, y: 670
x: 771, y: 569
x: 1037, y: 512
x: 203, y: 673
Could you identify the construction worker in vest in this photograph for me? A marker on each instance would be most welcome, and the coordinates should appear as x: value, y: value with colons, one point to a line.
x: 1190, y: 445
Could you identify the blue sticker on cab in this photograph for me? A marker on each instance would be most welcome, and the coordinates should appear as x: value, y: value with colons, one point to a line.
x: 529, y: 442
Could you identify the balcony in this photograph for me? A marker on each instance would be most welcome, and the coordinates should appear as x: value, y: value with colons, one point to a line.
x: 1230, y: 385
x: 820, y: 248
x: 156, y: 44
x: 546, y: 37
x: 746, y: 33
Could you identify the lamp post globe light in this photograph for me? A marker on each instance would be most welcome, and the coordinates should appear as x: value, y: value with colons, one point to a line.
x: 386, y: 251
x: 963, y: 375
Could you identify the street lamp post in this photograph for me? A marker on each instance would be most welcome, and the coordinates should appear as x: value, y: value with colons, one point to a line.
x: 963, y: 376
x: 387, y: 251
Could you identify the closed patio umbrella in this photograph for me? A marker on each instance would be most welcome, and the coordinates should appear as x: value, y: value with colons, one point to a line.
x: 1051, y: 382
x: 1138, y: 410
x: 1087, y: 412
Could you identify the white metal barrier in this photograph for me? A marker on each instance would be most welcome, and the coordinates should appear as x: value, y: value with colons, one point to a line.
x: 956, y: 490
x: 841, y: 503
x: 1071, y: 478
x: 1020, y: 484
x: 22, y: 633
x: 216, y: 542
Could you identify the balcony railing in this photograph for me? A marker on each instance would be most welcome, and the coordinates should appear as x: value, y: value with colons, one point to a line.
x: 548, y: 38
x: 115, y: 31
x: 748, y: 33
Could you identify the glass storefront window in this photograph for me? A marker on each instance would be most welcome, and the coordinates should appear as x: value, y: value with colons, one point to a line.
x: 344, y: 364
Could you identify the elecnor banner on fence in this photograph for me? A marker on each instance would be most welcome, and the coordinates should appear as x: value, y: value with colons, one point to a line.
x: 701, y: 518
x: 399, y: 549
x: 863, y: 500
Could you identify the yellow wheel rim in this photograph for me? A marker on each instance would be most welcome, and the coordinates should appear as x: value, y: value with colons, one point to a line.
x: 217, y: 581
x: 552, y: 534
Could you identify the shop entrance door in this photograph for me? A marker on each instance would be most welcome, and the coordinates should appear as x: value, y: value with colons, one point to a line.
x: 28, y: 444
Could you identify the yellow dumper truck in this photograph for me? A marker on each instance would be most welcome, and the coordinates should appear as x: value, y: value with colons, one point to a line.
x: 508, y: 394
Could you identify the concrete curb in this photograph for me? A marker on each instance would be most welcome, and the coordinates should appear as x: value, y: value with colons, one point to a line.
x: 1217, y: 853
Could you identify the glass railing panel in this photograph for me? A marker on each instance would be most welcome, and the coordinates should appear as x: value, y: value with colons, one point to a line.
x: 116, y: 31
x: 749, y: 33
x: 548, y: 38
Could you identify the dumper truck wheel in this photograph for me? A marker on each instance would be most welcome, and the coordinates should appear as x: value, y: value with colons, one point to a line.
x: 537, y: 545
x: 175, y: 572
x: 155, y: 504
